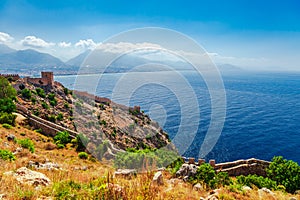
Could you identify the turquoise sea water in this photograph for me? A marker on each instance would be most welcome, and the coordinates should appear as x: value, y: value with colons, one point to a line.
x: 262, y: 110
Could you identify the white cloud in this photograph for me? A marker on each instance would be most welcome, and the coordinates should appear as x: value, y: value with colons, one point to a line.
x: 64, y: 44
x: 86, y: 44
x: 32, y: 41
x: 5, y: 38
x: 123, y: 47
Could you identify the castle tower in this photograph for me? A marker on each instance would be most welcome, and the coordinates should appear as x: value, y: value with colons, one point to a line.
x: 47, y: 78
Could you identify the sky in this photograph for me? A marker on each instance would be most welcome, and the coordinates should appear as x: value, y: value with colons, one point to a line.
x: 251, y: 34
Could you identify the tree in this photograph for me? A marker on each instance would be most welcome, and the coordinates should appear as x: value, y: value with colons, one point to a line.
x: 285, y: 172
x: 7, y: 91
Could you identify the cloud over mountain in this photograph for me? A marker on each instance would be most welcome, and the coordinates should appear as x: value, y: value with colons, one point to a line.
x: 35, y: 42
x: 5, y: 38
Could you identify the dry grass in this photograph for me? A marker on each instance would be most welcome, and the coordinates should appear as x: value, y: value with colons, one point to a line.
x: 97, y: 181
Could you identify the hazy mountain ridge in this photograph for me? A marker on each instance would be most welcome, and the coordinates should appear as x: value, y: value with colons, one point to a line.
x: 31, y: 62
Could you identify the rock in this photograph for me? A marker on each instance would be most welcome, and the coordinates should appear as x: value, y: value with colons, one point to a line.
x: 266, y: 190
x: 18, y: 150
x: 212, y: 197
x: 246, y: 188
x: 186, y: 178
x: 158, y: 178
x: 126, y: 172
x: 27, y: 176
x: 2, y: 196
x: 293, y: 198
x: 45, y: 166
x: 11, y: 137
x: 197, y: 187
x: 189, y: 170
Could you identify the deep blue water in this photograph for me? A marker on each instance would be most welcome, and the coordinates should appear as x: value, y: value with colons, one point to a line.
x: 262, y: 111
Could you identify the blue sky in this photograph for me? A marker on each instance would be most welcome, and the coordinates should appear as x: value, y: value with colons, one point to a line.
x: 252, y: 34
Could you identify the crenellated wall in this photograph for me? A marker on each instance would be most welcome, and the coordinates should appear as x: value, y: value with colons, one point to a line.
x: 236, y: 168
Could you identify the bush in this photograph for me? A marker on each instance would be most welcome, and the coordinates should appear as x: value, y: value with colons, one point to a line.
x: 258, y: 181
x: 27, y: 144
x: 52, y: 118
x: 7, y: 155
x: 40, y: 92
x: 7, y: 105
x: 60, y: 117
x: 80, y: 142
x: 7, y: 91
x: 136, y: 159
x: 206, y: 174
x: 33, y: 100
x: 7, y: 126
x: 45, y: 105
x: 285, y: 172
x: 53, y: 102
x: 83, y: 155
x: 26, y: 93
x: 7, y: 118
x: 62, y: 138
x: 51, y: 96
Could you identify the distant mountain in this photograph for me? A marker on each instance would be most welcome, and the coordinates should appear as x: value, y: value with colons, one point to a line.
x: 5, y: 49
x: 77, y: 60
x: 29, y: 57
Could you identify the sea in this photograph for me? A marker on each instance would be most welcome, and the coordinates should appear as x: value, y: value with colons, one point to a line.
x: 261, y: 118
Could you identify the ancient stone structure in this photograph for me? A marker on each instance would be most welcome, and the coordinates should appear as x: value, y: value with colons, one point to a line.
x: 47, y: 79
x: 236, y: 168
x: 46, y: 126
x: 13, y: 77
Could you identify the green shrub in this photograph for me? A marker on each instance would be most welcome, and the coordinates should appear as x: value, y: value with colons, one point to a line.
x: 7, y: 155
x: 7, y: 91
x: 7, y: 126
x: 7, y: 105
x: 40, y: 92
x: 80, y: 142
x: 51, y: 118
x: 83, y: 155
x: 60, y: 146
x: 33, y: 100
x: 67, y: 91
x: 103, y: 122
x: 206, y: 174
x: 258, y: 181
x: 26, y: 93
x: 66, y: 105
x: 60, y: 117
x: 285, y: 172
x: 53, y: 102
x: 62, y: 137
x: 45, y: 105
x: 51, y: 96
x: 7, y: 118
x: 27, y: 144
x: 136, y: 159
x: 36, y: 112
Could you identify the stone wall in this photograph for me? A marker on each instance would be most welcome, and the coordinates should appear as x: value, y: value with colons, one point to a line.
x: 14, y: 77
x: 48, y: 128
x: 236, y: 168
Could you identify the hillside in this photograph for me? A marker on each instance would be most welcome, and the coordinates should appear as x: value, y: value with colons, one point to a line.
x: 124, y: 127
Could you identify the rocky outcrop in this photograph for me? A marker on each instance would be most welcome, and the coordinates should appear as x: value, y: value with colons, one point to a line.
x: 158, y: 178
x: 187, y: 170
x: 27, y: 176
